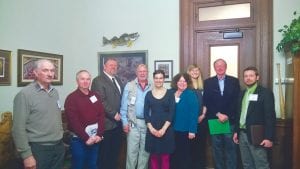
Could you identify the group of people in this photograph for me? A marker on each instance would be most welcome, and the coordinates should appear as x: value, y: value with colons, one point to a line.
x: 165, y: 128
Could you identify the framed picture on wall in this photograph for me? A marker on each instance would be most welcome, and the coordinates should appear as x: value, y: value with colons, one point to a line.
x: 26, y: 59
x: 127, y: 60
x: 5, y: 67
x: 166, y: 66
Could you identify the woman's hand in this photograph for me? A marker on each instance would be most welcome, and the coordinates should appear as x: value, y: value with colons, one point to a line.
x: 192, y: 135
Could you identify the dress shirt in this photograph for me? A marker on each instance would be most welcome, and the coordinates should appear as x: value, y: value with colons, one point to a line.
x: 221, y: 83
x: 245, y: 103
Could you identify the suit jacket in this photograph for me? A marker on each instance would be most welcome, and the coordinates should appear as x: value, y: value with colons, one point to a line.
x: 226, y: 103
x: 110, y: 96
x: 260, y: 112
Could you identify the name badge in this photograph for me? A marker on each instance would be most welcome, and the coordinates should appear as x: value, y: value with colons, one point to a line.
x: 253, y: 97
x: 93, y: 99
x: 132, y: 101
x: 58, y: 104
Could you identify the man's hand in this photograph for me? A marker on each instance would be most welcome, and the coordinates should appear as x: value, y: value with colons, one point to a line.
x: 222, y: 117
x: 126, y: 128
x: 98, y: 138
x: 117, y: 117
x: 235, y: 138
x: 29, y: 163
x: 266, y: 143
x: 90, y: 141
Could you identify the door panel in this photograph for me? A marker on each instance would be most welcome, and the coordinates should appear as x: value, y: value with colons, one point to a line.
x: 255, y: 48
x: 206, y: 40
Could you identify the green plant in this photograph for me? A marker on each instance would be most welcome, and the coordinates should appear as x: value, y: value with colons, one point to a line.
x: 290, y: 36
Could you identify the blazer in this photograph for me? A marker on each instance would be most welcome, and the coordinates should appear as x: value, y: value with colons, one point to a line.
x: 226, y: 103
x: 261, y: 111
x: 110, y: 96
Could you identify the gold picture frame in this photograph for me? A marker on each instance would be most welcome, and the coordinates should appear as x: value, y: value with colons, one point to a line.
x: 26, y: 59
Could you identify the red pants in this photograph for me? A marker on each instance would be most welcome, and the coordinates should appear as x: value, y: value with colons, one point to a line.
x: 160, y: 161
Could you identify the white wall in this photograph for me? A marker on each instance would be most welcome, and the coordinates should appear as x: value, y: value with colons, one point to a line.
x: 75, y: 30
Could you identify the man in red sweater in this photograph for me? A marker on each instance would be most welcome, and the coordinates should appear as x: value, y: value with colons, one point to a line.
x: 85, y: 116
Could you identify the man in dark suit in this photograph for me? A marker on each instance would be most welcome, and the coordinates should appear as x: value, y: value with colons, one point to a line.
x: 220, y: 98
x: 256, y: 107
x: 110, y: 88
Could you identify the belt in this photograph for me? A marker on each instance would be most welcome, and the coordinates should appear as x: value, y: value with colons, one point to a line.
x: 47, y: 143
x: 243, y: 130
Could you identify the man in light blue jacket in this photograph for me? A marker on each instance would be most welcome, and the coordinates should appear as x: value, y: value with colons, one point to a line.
x: 132, y: 116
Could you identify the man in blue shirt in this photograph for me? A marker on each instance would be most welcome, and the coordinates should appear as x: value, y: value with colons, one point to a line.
x: 132, y: 116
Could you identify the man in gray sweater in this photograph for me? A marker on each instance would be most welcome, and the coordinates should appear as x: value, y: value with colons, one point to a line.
x: 37, y: 126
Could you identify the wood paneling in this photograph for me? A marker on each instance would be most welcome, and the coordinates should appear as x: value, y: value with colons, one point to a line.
x: 281, y: 153
x: 296, y: 113
x: 260, y: 21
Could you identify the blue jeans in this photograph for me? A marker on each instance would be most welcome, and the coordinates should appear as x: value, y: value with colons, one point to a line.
x: 224, y: 151
x: 83, y: 155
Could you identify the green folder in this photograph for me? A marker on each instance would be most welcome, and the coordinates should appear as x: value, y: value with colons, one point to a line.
x: 216, y: 127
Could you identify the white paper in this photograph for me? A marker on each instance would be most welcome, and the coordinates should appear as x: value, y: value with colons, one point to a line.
x: 91, y: 129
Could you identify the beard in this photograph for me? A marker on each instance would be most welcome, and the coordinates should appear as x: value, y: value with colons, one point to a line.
x: 251, y: 84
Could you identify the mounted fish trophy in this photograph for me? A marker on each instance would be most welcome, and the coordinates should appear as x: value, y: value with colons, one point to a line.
x: 124, y: 39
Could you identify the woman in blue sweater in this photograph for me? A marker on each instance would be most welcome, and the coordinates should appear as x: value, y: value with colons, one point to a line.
x: 185, y: 119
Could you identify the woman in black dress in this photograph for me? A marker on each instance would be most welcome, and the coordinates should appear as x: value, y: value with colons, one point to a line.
x: 159, y: 108
x: 198, y: 145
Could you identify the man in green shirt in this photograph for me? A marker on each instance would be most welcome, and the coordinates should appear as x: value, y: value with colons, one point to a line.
x: 256, y: 114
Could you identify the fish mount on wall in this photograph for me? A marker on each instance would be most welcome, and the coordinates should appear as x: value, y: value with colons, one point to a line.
x: 124, y: 39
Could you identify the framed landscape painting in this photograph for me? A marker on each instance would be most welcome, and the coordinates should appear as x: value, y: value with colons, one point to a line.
x: 127, y: 61
x: 26, y: 59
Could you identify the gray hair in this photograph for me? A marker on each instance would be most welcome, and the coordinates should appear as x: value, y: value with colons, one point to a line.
x: 220, y: 60
x: 141, y: 65
x: 38, y: 63
x: 81, y: 71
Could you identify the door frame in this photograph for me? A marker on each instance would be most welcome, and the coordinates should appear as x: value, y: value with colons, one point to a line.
x: 262, y: 19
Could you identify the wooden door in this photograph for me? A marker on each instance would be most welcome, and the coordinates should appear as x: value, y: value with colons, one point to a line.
x: 245, y: 47
x: 198, y: 36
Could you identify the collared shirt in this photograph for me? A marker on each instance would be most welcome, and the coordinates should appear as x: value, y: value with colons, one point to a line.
x: 40, y: 87
x: 143, y: 87
x: 116, y: 82
x: 245, y: 103
x: 138, y: 101
x: 221, y: 80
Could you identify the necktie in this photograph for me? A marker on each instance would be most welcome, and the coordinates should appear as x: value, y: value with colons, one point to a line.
x: 115, y: 84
